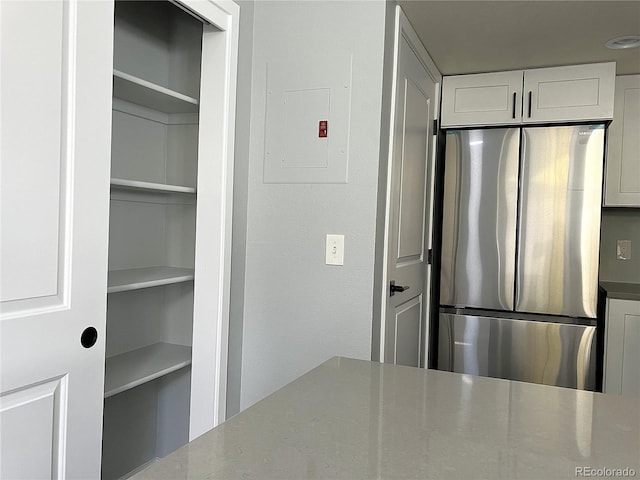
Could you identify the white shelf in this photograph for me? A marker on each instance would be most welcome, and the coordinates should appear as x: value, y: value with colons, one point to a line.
x: 121, y: 183
x: 136, y: 90
x: 128, y: 370
x: 136, y: 278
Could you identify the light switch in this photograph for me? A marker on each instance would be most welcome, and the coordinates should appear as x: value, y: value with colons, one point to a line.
x: 623, y: 250
x: 335, y: 250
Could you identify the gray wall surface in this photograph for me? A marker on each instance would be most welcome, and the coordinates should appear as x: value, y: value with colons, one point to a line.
x: 240, y: 195
x: 298, y: 311
x: 620, y: 224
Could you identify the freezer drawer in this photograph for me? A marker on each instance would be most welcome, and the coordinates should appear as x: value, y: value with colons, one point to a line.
x: 531, y: 351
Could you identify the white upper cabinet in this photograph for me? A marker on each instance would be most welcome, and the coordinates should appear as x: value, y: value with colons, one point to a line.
x: 622, y: 184
x: 482, y: 99
x: 542, y: 95
x: 574, y: 93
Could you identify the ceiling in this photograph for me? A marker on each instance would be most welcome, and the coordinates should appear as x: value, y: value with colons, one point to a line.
x: 484, y: 36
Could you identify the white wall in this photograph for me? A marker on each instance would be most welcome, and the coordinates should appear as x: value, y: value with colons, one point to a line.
x: 298, y: 311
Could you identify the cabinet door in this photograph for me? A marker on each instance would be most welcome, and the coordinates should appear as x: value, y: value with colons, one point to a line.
x: 482, y: 99
x: 622, y: 350
x: 573, y: 93
x: 55, y: 124
x: 622, y: 187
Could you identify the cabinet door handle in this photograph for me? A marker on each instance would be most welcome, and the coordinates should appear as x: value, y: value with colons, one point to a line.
x: 530, y: 92
x: 513, y: 111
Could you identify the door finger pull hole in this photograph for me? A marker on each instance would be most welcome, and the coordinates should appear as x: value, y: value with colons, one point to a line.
x: 89, y: 337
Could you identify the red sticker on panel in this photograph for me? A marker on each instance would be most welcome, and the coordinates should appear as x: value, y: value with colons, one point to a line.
x: 323, y: 128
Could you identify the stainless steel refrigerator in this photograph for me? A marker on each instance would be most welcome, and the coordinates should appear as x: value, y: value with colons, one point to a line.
x: 520, y: 248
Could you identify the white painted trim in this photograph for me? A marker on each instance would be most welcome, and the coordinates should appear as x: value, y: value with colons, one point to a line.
x: 29, y: 307
x: 404, y: 28
x: 213, y: 231
x: 230, y: 108
x: 219, y: 13
x: 416, y: 45
x: 429, y: 268
x: 387, y: 209
x: 67, y: 197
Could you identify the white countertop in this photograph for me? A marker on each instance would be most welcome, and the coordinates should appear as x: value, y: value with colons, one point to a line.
x: 351, y: 419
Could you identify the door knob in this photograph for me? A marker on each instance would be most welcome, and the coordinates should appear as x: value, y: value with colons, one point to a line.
x: 393, y: 288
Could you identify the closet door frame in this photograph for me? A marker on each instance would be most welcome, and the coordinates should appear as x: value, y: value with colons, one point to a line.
x: 214, y: 211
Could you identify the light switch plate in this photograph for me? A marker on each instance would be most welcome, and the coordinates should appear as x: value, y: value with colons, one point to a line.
x: 623, y: 250
x: 335, y: 250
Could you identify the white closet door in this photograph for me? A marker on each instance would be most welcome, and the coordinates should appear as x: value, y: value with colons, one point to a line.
x: 56, y: 67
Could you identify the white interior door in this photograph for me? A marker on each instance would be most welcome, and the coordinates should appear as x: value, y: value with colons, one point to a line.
x: 55, y: 146
x: 410, y: 198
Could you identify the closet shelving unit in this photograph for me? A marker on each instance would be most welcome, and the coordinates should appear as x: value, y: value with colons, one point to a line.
x: 135, y: 278
x: 154, y: 169
x: 137, y: 90
x: 134, y: 185
x: 128, y: 370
